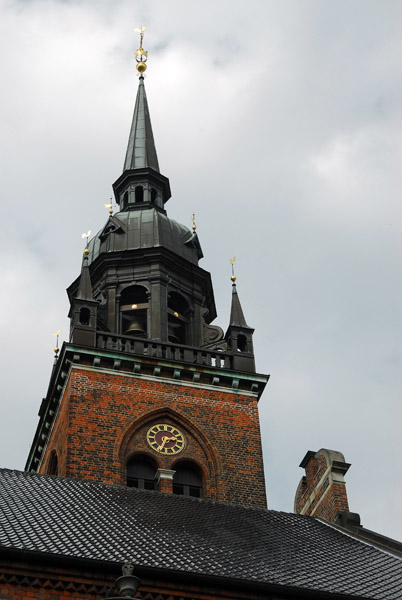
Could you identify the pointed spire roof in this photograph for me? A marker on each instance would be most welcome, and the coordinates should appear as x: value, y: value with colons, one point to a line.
x: 236, y: 313
x: 85, y: 286
x: 141, y: 151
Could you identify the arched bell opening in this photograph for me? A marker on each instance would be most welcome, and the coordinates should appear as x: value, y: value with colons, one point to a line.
x: 187, y: 480
x: 141, y: 470
x: 154, y: 195
x: 178, y: 313
x: 134, y: 311
x: 85, y: 315
x: 139, y: 194
x: 241, y: 343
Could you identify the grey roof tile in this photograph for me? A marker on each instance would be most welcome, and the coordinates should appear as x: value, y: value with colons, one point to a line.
x: 109, y: 522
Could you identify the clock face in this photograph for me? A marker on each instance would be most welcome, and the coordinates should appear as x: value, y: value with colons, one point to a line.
x: 165, y: 439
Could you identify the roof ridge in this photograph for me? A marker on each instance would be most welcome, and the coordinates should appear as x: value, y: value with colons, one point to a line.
x: 354, y: 535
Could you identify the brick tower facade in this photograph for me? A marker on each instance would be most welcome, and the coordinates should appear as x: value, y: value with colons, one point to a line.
x: 148, y: 393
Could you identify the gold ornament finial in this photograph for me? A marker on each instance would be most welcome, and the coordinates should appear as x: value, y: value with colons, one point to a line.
x: 194, y: 223
x: 141, y: 55
x: 56, y: 350
x: 110, y: 205
x: 233, y: 278
x: 86, y: 235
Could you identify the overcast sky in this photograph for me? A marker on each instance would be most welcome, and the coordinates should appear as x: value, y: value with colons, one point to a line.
x: 280, y: 124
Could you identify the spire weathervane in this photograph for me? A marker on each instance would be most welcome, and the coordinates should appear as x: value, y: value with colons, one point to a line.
x: 86, y: 235
x: 141, y: 55
x: 194, y: 223
x: 233, y: 278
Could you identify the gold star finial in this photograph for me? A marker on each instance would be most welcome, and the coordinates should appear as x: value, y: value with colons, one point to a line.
x: 141, y: 55
x: 194, y: 223
x: 233, y: 278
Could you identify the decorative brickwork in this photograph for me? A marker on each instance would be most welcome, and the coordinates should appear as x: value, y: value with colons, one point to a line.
x: 104, y: 416
x: 322, y: 491
x: 66, y: 584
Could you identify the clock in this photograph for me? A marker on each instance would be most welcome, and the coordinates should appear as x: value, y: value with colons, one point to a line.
x: 165, y: 439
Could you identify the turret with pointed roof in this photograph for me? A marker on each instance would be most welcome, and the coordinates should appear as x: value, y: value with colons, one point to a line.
x: 239, y: 335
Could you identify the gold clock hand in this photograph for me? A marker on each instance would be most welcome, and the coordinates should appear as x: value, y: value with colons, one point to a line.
x: 165, y: 438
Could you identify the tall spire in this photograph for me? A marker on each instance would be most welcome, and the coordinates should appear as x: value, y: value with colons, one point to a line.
x: 141, y: 151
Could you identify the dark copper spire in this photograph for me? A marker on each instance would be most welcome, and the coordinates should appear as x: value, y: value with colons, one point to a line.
x: 141, y: 151
x: 85, y: 287
x: 236, y: 312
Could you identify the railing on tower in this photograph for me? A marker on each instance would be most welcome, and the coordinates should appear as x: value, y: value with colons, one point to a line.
x: 164, y: 350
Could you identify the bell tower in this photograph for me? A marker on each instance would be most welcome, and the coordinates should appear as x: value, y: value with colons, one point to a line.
x: 148, y: 392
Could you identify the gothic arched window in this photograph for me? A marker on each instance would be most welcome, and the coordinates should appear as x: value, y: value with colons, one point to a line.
x: 141, y: 472
x: 178, y: 312
x: 134, y: 311
x: 187, y: 481
x: 53, y: 467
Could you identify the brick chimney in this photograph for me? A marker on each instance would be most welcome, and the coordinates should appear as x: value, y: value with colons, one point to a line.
x: 322, y: 490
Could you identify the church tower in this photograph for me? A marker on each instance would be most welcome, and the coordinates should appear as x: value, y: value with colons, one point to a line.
x: 147, y: 392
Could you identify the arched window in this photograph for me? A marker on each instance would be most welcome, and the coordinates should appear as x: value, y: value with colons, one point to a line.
x: 187, y: 481
x: 154, y: 195
x: 141, y: 472
x: 139, y: 194
x: 134, y: 311
x: 178, y: 312
x: 53, y: 467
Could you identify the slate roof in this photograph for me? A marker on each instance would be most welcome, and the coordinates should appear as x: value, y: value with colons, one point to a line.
x: 113, y: 523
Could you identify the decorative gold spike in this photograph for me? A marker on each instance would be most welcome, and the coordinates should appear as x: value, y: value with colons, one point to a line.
x: 141, y: 55
x: 194, y: 223
x: 110, y: 205
x: 56, y: 350
x: 233, y: 278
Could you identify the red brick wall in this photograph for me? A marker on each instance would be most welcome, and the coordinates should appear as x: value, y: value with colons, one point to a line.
x: 104, y: 416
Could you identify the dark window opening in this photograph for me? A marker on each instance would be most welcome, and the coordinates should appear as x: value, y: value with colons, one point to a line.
x: 134, y: 311
x: 154, y: 195
x: 53, y: 467
x: 187, y: 480
x: 241, y: 343
x: 125, y: 198
x: 85, y: 315
x: 139, y: 194
x: 178, y: 312
x: 141, y: 472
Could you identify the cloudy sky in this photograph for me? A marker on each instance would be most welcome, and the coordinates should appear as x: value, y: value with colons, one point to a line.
x: 279, y: 122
